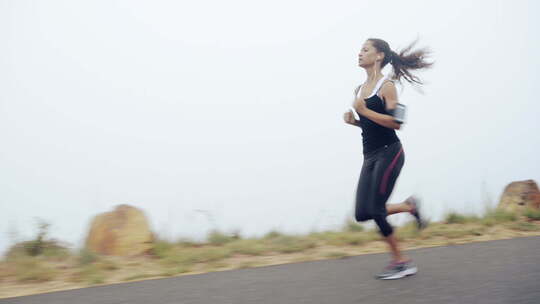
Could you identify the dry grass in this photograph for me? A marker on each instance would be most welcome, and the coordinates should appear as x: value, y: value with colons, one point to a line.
x: 56, y: 268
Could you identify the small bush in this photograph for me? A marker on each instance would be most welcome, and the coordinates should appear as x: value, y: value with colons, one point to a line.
x: 488, y: 221
x: 217, y: 238
x: 533, y: 214
x: 87, y: 256
x: 39, y: 246
x: 352, y: 226
x: 49, y: 249
x: 498, y: 216
x: 273, y: 234
x: 161, y: 249
x: 53, y: 249
x: 455, y: 218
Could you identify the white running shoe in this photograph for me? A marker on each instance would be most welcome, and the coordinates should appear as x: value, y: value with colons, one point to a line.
x: 397, y: 270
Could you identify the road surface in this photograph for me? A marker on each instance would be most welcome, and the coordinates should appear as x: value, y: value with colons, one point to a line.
x: 502, y: 271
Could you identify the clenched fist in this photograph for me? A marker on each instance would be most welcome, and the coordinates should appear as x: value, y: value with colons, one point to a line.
x: 348, y: 117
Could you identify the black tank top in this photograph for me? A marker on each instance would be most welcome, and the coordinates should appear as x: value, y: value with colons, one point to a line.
x: 375, y: 135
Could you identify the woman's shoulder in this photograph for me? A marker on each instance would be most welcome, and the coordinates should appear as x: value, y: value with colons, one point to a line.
x: 389, y: 80
x: 389, y: 84
x: 387, y: 87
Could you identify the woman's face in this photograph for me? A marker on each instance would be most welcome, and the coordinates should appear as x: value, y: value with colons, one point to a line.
x: 368, y: 55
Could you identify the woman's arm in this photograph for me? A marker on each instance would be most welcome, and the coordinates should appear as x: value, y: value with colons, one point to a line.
x: 389, y: 94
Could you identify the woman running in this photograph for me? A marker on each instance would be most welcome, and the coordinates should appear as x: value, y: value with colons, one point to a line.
x: 375, y: 104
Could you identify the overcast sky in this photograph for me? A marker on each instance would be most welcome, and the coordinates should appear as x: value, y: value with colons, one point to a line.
x: 228, y: 114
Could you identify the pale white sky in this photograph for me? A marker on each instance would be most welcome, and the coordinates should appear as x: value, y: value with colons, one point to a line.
x: 235, y: 108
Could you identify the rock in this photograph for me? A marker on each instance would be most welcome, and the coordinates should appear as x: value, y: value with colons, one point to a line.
x: 122, y: 232
x: 520, y: 195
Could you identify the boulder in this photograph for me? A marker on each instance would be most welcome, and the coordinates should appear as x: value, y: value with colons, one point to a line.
x: 122, y: 232
x: 520, y: 195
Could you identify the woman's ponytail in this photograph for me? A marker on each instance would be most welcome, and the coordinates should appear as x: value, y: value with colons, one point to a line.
x: 404, y: 61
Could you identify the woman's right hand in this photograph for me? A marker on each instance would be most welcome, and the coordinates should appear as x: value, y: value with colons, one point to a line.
x: 348, y: 117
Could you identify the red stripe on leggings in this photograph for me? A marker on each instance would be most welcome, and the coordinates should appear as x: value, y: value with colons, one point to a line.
x: 388, y: 170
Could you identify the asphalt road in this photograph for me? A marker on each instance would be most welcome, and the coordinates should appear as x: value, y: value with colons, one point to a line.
x: 503, y: 271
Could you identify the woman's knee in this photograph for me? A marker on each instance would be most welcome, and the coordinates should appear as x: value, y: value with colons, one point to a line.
x: 385, y: 229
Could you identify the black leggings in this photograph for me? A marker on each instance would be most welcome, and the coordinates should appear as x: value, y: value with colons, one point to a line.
x: 380, y: 171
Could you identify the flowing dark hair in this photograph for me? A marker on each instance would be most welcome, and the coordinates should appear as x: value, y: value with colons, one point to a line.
x: 404, y: 61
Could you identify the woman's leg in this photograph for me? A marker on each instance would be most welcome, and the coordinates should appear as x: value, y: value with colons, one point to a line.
x: 363, y: 205
x: 387, y: 171
x: 398, y: 208
x: 397, y: 256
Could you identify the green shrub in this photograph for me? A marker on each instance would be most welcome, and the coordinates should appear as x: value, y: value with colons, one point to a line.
x: 53, y: 249
x: 218, y: 238
x: 456, y: 218
x: 39, y: 246
x: 352, y: 226
x: 273, y: 234
x: 49, y: 249
x: 499, y: 215
x: 488, y: 221
x: 87, y: 256
x: 533, y: 214
x: 161, y: 249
